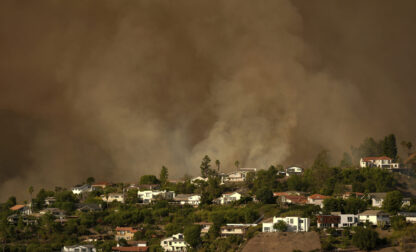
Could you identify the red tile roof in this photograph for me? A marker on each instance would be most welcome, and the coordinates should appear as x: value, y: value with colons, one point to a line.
x: 278, y: 194
x: 296, y: 199
x: 318, y: 196
x: 130, y: 249
x: 126, y: 229
x: 17, y: 207
x: 366, y: 159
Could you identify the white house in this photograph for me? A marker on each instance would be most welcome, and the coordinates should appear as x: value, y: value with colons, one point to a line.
x: 174, y: 243
x: 317, y: 199
x: 190, y: 199
x: 79, y: 248
x: 375, y: 217
x: 81, y: 189
x: 377, y: 199
x: 294, y: 170
x: 50, y: 200
x: 198, y: 179
x: 228, y: 198
x: 119, y: 197
x: 151, y: 195
x: 410, y: 216
x: 22, y: 209
x: 380, y: 162
x: 239, y: 176
x: 347, y: 220
x: 294, y: 224
x: 235, y: 229
x: 205, y: 226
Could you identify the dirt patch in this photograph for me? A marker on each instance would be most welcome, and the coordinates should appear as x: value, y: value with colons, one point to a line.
x: 283, y: 242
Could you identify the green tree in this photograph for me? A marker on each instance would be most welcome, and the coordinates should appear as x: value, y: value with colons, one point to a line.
x: 346, y: 161
x: 148, y: 179
x: 90, y: 180
x: 237, y: 164
x: 122, y: 242
x: 280, y: 226
x: 192, y: 235
x: 265, y: 195
x: 31, y: 195
x: 398, y: 222
x: 333, y: 205
x: 365, y: 238
x: 354, y: 206
x: 393, y: 202
x: 205, y: 166
x: 163, y: 177
x: 320, y: 169
x: 217, y: 163
x: 390, y: 147
x: 408, y: 145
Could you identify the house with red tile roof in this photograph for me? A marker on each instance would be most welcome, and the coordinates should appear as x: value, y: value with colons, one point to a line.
x: 293, y: 199
x: 21, y: 209
x: 380, y: 162
x: 317, y: 199
x: 135, y: 246
x: 126, y: 233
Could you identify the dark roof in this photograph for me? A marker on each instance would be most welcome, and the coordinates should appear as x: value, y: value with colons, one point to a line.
x: 407, y: 214
x: 90, y: 206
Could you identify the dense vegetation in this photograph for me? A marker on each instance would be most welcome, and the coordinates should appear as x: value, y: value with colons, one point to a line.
x: 162, y: 219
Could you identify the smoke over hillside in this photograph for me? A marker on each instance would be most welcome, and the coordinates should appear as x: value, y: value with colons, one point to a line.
x: 116, y: 89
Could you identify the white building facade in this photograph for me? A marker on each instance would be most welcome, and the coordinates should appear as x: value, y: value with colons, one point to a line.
x: 294, y: 224
x: 151, y: 195
x: 174, y: 243
x: 380, y: 162
x: 228, y: 198
x: 375, y: 217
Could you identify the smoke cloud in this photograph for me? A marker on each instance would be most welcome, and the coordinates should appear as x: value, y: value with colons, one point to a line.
x: 116, y: 89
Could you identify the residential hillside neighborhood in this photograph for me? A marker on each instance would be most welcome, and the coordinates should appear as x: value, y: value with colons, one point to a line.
x: 363, y: 203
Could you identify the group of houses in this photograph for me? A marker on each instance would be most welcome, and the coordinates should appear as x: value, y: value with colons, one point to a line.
x: 148, y: 194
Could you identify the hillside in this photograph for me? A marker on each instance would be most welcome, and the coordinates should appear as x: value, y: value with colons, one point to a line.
x: 283, y: 242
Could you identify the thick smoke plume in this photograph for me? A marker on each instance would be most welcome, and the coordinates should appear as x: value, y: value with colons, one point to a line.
x: 116, y: 89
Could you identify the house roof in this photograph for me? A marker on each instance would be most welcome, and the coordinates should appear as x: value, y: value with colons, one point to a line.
x: 230, y: 193
x: 77, y: 246
x: 17, y: 207
x: 296, y: 199
x: 407, y: 214
x: 371, y: 212
x: 378, y: 195
x: 101, y: 184
x: 411, y: 158
x: 278, y: 194
x: 203, y: 223
x: 318, y: 196
x: 144, y: 248
x: 126, y: 229
x: 182, y: 196
x: 354, y: 193
x: 366, y: 159
x: 91, y: 206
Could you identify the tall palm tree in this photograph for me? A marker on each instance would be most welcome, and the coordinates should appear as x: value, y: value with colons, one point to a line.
x: 31, y: 193
x: 237, y: 164
x: 217, y: 162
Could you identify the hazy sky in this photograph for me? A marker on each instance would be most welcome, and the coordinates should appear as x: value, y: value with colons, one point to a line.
x: 116, y: 89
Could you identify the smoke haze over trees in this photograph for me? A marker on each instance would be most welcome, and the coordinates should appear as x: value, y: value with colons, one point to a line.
x: 116, y: 89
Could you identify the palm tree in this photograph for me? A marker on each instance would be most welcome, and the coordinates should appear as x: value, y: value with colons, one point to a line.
x: 217, y: 162
x: 31, y: 192
x: 237, y: 164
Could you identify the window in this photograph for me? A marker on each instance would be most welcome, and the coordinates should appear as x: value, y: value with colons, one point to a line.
x: 300, y: 221
x: 349, y: 219
x: 291, y: 221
